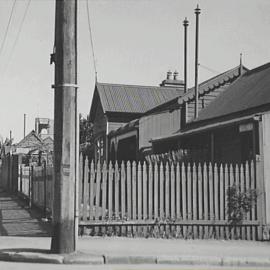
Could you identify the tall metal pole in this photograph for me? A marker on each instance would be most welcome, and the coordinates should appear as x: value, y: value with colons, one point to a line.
x: 185, y: 24
x: 24, y: 124
x: 197, y: 12
x: 65, y: 114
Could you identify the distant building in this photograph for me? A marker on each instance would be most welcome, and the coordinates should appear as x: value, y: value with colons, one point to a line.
x: 37, y: 146
x: 166, y: 119
x: 114, y: 105
x: 44, y: 127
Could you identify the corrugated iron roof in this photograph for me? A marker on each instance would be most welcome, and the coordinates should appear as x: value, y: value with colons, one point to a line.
x: 251, y: 90
x: 134, y: 98
x: 212, y: 83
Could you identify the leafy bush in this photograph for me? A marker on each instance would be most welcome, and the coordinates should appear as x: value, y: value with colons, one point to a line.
x: 239, y: 203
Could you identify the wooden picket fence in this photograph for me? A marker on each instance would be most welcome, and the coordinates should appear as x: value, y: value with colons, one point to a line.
x: 35, y: 183
x: 165, y: 200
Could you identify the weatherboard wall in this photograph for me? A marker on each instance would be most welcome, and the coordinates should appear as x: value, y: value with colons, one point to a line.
x: 204, y: 100
x: 155, y: 125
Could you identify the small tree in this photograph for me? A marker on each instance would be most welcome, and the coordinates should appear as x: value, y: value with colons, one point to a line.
x: 86, y: 136
x: 86, y: 130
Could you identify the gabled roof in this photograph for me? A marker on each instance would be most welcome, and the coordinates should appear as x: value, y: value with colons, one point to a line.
x: 212, y: 83
x: 30, y: 140
x: 132, y: 98
x: 204, y: 87
x: 250, y: 91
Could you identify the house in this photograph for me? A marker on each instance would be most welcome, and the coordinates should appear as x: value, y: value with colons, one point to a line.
x: 32, y: 148
x: 231, y: 127
x: 166, y: 119
x: 30, y: 142
x: 115, y: 105
x: 44, y: 127
x: 234, y: 128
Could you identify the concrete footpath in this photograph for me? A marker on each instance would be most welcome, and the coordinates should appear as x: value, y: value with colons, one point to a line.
x: 97, y: 250
x: 24, y: 238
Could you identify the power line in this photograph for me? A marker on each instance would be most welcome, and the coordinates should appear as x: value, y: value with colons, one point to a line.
x: 19, y: 32
x: 6, y: 32
x: 209, y: 69
x: 91, y: 39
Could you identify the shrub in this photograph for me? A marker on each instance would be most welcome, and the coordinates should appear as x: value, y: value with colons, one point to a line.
x: 239, y: 203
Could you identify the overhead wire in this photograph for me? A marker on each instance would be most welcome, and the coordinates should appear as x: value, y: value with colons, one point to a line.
x: 18, y: 33
x: 209, y: 69
x: 7, y: 28
x: 91, y: 39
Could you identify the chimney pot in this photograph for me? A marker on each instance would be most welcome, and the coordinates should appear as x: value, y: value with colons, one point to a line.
x: 175, y: 75
x: 169, y: 75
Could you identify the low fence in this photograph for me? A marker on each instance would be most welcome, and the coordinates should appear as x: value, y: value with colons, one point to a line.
x: 155, y: 199
x: 35, y: 183
x: 9, y: 172
x: 167, y: 200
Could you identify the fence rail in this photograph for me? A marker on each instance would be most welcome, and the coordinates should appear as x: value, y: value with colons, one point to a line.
x: 189, y: 201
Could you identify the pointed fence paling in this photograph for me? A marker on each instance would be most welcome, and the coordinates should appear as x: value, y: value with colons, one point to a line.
x: 35, y: 183
x: 185, y: 200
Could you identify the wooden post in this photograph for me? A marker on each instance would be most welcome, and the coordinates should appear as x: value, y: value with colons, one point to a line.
x: 259, y: 170
x: 45, y: 189
x: 30, y: 185
x: 65, y: 98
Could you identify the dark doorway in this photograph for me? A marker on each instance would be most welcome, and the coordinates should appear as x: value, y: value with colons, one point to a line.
x: 127, y: 149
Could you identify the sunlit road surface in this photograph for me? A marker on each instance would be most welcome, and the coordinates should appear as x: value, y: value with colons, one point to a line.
x: 34, y: 266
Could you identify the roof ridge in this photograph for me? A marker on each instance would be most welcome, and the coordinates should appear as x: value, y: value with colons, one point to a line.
x: 202, y: 84
x: 257, y: 69
x: 134, y: 85
x: 246, y: 87
x: 221, y: 74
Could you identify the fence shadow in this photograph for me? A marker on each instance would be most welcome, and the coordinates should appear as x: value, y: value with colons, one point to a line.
x: 16, y: 219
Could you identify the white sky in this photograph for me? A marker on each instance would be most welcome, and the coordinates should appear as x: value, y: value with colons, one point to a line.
x: 136, y: 42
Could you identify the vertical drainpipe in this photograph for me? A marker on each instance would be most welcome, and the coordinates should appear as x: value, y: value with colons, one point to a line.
x: 197, y: 12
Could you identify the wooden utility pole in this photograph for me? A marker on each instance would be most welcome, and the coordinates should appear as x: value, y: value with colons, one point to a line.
x: 65, y: 122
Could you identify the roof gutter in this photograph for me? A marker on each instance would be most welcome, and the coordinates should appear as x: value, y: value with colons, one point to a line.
x: 254, y: 117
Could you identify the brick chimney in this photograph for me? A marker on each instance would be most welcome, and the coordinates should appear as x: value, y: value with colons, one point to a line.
x: 172, y: 80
